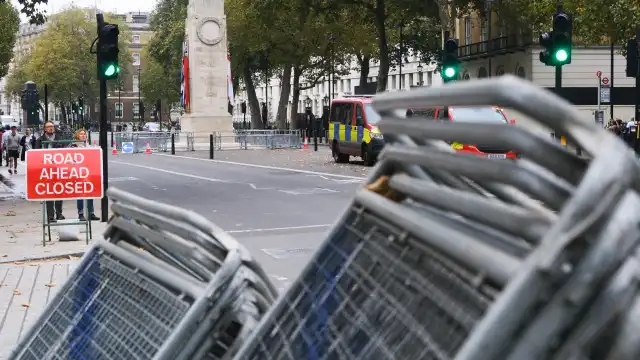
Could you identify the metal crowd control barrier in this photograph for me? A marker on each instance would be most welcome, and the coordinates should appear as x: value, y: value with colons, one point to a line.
x: 447, y: 255
x: 159, y: 141
x: 165, y: 285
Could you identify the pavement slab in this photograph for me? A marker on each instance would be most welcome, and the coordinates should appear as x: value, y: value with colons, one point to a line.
x: 25, y: 291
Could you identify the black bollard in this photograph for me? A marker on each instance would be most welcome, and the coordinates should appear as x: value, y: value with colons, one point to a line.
x: 211, y: 146
x: 173, y: 144
x: 112, y: 138
x: 315, y: 140
x: 89, y: 136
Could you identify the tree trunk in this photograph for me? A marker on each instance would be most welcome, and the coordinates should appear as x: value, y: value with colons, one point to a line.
x: 295, y: 98
x: 285, y: 85
x: 383, y: 69
x: 365, y: 63
x: 254, y: 106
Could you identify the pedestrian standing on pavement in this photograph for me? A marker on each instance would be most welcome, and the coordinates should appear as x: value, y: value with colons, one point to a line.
x: 12, y: 144
x: 27, y: 143
x: 47, y: 141
x: 81, y: 137
x: 7, y: 131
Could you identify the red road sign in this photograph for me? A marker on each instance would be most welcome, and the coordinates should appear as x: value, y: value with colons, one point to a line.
x: 64, y: 174
x: 605, y: 81
x: 599, y: 74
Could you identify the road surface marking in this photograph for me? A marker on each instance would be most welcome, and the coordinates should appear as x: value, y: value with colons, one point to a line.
x: 279, y: 229
x: 253, y: 186
x: 281, y: 253
x: 120, y: 179
x: 308, y: 191
x: 340, y: 181
x: 309, y: 172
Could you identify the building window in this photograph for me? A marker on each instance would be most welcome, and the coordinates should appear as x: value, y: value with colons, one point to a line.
x: 135, y: 81
x: 118, y: 110
x: 136, y: 110
x: 483, y: 30
x: 136, y: 59
x: 482, y: 73
x: 135, y: 39
x: 429, y: 78
x: 393, y: 82
x: 500, y: 71
x: 410, y: 80
x: 466, y: 76
x: 521, y: 73
x: 467, y: 30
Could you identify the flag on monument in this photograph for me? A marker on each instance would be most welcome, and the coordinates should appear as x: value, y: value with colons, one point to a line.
x: 229, y: 80
x: 184, y: 78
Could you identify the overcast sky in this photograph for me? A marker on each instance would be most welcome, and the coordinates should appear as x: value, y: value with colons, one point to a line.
x: 107, y: 5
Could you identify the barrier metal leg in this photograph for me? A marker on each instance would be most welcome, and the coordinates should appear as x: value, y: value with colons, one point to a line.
x: 44, y: 223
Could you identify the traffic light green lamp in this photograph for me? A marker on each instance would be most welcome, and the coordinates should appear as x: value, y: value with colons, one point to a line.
x: 450, y: 63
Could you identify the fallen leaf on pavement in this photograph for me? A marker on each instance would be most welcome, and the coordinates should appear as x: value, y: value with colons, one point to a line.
x: 16, y: 291
x: 2, y: 285
x: 71, y: 257
x: 19, y: 262
x: 10, y: 213
x: 50, y: 285
x: 25, y: 305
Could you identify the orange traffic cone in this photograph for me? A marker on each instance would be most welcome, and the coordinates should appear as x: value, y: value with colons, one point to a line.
x: 306, y: 143
x: 114, y: 149
x: 148, y: 149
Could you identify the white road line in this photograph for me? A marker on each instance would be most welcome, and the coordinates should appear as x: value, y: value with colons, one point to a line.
x: 253, y: 186
x: 265, y: 167
x: 279, y: 229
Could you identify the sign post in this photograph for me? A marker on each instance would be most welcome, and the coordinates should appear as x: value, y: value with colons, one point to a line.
x: 64, y: 174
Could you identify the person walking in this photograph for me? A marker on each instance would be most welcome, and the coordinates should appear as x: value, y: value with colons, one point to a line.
x: 81, y: 137
x: 12, y: 144
x: 47, y: 141
x: 7, y: 131
x: 27, y: 143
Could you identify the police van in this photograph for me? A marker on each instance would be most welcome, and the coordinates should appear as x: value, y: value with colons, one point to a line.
x: 353, y: 129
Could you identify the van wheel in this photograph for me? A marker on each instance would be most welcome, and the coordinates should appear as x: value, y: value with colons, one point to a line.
x: 337, y: 155
x: 367, y: 157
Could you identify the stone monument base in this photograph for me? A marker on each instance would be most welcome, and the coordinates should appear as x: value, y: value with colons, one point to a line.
x: 206, y: 123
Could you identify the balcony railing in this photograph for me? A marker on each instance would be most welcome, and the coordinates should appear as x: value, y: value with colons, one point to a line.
x: 497, y: 46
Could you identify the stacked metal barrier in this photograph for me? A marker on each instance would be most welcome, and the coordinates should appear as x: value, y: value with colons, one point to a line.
x: 165, y: 284
x: 447, y: 255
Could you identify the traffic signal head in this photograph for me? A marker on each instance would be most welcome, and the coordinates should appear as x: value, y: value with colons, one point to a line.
x: 562, y: 32
x: 450, y: 65
x: 108, y: 67
x: 80, y: 104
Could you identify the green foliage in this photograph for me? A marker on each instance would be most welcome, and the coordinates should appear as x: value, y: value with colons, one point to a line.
x: 16, y: 79
x: 61, y: 59
x: 166, y: 46
x: 153, y: 83
x: 9, y: 25
x: 30, y: 9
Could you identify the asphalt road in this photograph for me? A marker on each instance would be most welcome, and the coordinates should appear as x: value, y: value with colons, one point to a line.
x: 280, y: 215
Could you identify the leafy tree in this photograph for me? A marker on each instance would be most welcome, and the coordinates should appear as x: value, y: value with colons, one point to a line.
x: 17, y: 77
x: 166, y: 47
x: 61, y: 59
x: 9, y: 25
x: 31, y: 10
x: 154, y: 85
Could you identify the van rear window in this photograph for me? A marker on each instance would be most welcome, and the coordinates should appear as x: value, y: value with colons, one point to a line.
x: 485, y: 114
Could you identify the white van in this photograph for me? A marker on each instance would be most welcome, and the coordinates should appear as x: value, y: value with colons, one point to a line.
x: 9, y: 120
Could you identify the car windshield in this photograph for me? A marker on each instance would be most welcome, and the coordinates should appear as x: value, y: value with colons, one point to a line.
x: 372, y: 116
x: 477, y: 115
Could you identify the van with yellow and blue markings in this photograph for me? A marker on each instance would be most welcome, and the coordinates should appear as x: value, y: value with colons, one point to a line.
x: 353, y: 129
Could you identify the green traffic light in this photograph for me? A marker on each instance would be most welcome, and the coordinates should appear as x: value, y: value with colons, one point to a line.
x: 449, y: 72
x: 561, y: 55
x: 111, y: 70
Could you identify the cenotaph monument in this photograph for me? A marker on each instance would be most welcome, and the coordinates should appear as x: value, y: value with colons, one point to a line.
x: 206, y: 40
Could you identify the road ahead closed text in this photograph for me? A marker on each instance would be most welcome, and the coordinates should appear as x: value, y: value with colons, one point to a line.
x: 64, y: 174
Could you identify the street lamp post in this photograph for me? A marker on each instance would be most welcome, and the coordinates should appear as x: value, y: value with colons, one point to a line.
x: 332, y: 74
x: 420, y: 83
x: 401, y: 26
x: 139, y: 99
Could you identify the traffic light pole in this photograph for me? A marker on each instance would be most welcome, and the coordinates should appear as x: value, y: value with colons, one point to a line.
x: 637, y: 109
x: 104, y: 204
